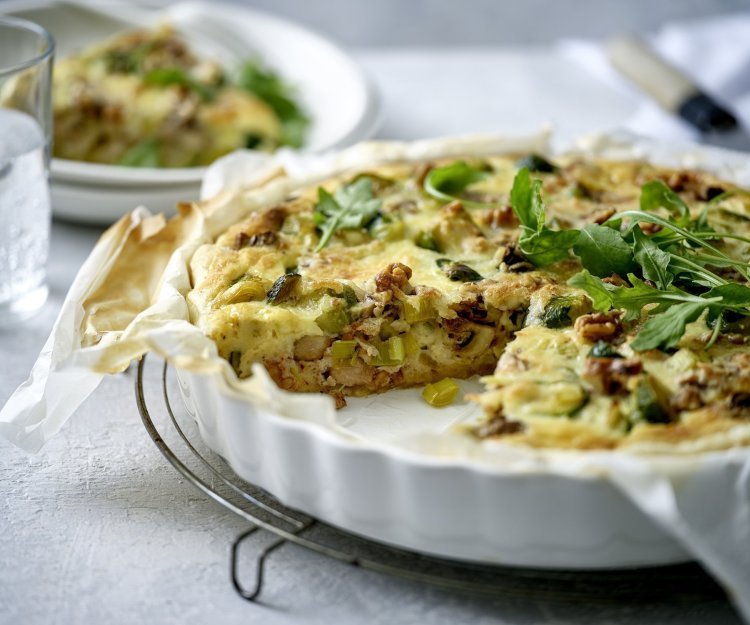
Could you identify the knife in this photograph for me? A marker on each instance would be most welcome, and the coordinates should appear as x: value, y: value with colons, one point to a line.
x: 676, y: 93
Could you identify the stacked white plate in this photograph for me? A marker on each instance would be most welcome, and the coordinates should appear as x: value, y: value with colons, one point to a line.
x: 332, y: 88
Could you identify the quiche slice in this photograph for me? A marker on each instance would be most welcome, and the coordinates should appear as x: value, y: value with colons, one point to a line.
x: 145, y: 99
x: 409, y: 274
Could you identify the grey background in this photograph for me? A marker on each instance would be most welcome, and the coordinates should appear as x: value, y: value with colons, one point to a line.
x: 368, y: 23
x: 484, y: 22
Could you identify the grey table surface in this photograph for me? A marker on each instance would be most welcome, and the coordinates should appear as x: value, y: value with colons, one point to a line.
x: 97, y: 527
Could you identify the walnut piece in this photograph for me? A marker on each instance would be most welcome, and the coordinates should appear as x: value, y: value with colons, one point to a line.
x: 611, y: 375
x: 394, y: 275
x: 599, y: 326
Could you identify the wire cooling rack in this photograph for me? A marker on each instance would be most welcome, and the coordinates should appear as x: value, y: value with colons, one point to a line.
x: 176, y: 436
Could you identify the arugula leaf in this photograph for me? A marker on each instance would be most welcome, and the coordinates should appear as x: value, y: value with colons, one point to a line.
x: 645, y: 404
x: 445, y: 183
x: 656, y: 194
x: 603, y: 251
x: 602, y: 349
x: 351, y: 207
x: 541, y: 245
x: 128, y: 61
x: 548, y: 246
x: 678, y: 233
x: 700, y: 223
x: 557, y: 312
x: 678, y: 261
x: 454, y: 178
x: 167, y: 76
x: 687, y: 269
x: 633, y: 299
x: 664, y: 331
x: 526, y: 200
x: 294, y: 131
x: 269, y: 87
x: 599, y: 292
x: 653, y: 260
x: 732, y: 295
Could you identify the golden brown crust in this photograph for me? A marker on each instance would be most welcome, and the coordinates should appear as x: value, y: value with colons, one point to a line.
x: 131, y: 282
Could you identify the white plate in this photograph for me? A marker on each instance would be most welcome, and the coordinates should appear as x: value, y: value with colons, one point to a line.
x: 339, y: 98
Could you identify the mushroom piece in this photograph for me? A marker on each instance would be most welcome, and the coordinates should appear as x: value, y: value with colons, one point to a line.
x: 311, y: 347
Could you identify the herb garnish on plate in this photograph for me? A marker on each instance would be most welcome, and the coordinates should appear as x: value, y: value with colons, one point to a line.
x: 271, y: 88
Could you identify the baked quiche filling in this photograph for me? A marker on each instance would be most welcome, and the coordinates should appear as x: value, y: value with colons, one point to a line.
x: 604, y: 303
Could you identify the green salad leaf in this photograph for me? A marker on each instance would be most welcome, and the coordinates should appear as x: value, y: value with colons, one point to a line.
x: 446, y: 183
x: 665, y: 330
x: 603, y: 251
x: 526, y: 200
x: 167, y: 76
x: 548, y: 246
x: 599, y: 292
x: 656, y: 194
x: 350, y: 207
x: 540, y: 244
x: 269, y: 87
x: 653, y: 260
x: 143, y: 154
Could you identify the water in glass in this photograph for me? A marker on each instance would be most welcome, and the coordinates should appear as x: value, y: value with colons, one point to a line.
x: 24, y: 214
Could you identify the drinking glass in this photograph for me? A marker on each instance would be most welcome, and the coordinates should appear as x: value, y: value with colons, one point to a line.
x: 26, y: 57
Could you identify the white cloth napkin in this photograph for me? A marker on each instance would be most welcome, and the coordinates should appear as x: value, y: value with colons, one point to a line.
x: 714, y: 52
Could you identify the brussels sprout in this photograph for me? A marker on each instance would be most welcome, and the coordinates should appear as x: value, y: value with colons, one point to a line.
x: 426, y: 240
x: 458, y: 272
x: 283, y: 287
x: 645, y: 405
x: 557, y: 312
x: 602, y: 349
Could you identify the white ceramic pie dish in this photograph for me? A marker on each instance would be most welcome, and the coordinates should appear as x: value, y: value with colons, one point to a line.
x: 450, y: 507
x: 339, y: 98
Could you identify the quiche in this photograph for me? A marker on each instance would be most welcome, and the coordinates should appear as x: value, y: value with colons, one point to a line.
x: 144, y: 98
x: 603, y: 303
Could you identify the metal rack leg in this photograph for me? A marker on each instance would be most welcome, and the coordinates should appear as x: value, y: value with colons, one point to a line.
x: 253, y: 593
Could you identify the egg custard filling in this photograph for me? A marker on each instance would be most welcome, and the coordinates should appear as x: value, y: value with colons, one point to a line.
x: 603, y: 302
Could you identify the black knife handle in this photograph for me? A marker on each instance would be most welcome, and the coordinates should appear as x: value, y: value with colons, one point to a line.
x: 706, y: 115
